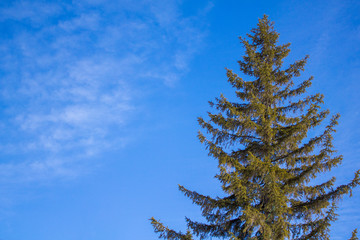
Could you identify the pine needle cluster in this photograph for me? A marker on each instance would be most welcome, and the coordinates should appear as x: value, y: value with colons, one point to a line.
x: 267, y: 162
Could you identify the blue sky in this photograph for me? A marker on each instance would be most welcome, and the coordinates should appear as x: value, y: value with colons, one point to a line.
x: 99, y: 101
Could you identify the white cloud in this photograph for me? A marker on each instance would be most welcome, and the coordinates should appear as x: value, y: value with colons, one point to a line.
x: 72, y: 75
x: 84, y: 21
x: 35, y: 11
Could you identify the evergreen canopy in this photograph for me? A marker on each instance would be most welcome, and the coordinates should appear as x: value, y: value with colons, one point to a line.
x: 266, y: 159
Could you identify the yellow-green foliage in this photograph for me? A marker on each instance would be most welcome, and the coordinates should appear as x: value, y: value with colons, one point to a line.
x: 266, y: 159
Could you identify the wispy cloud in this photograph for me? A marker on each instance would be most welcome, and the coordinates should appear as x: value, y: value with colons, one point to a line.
x: 70, y: 76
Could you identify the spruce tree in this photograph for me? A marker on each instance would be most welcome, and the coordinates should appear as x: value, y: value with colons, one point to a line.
x: 267, y: 161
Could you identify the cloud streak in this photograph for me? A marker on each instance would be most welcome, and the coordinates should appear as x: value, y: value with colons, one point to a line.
x: 71, y: 73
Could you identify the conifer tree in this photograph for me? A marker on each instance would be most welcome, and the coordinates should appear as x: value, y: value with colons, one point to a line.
x: 266, y: 158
